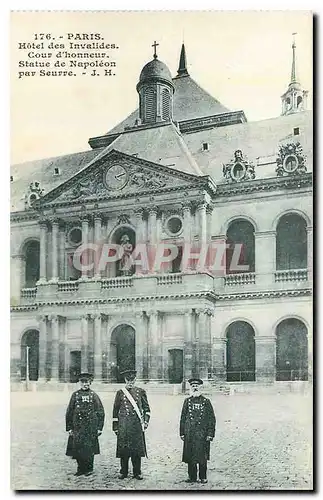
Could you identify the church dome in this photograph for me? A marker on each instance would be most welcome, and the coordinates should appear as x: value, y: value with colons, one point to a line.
x: 155, y: 70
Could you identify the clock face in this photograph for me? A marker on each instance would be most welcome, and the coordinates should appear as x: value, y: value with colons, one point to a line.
x: 116, y: 177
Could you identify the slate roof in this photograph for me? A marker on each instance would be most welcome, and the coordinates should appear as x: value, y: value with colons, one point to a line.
x: 259, y: 141
x: 189, y: 101
x: 43, y: 172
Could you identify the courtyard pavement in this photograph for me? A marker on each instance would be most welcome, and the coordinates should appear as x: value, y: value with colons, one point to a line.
x: 262, y: 442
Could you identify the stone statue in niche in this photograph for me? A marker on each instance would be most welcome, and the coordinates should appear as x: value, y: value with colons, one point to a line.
x: 126, y: 261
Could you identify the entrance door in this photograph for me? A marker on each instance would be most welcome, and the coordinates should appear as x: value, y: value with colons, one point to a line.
x: 30, y: 342
x: 175, y: 366
x: 240, y: 352
x: 291, y: 350
x: 123, y: 351
x: 75, y: 365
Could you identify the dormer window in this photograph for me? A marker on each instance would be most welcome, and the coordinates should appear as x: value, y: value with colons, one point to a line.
x: 296, y: 131
x: 56, y: 171
x: 205, y: 146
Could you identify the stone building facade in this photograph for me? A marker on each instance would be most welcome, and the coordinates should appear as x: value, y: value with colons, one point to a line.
x: 181, y: 171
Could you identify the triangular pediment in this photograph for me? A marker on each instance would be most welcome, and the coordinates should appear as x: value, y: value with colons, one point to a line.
x: 118, y: 175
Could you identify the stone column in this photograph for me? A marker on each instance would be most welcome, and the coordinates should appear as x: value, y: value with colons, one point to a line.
x: 219, y: 356
x: 201, y: 208
x: 204, y: 343
x: 61, y: 272
x: 65, y: 351
x: 188, y: 345
x: 85, y: 239
x: 97, y: 347
x: 97, y: 240
x: 310, y: 253
x: 85, y: 342
x: 43, y: 336
x: 265, y: 258
x: 54, y: 251
x: 43, y: 252
x: 152, y: 225
x: 265, y: 359
x: 153, y: 344
x: 140, y: 230
x: 187, y: 222
x: 55, y: 349
x: 141, y: 344
x: 209, y: 212
x: 105, y: 347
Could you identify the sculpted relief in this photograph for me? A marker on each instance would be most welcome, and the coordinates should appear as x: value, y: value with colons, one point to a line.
x: 117, y: 179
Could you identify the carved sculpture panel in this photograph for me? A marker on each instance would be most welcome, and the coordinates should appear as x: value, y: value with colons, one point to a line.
x: 239, y: 169
x: 291, y: 160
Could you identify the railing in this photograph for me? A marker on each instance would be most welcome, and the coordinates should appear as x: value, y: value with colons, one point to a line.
x: 68, y: 286
x: 240, y: 279
x: 28, y: 293
x: 291, y: 275
x: 170, y: 279
x: 126, y: 282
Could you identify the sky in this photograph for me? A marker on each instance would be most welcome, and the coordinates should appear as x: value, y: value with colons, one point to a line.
x: 243, y: 58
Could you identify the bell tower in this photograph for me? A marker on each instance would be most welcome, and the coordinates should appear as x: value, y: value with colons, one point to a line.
x: 294, y: 99
x: 156, y: 90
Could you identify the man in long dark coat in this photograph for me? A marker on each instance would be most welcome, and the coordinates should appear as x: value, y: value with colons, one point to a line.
x: 84, y: 422
x: 131, y: 416
x: 197, y: 429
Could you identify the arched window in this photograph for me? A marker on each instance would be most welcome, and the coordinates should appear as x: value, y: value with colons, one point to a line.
x: 241, y: 247
x: 166, y: 104
x: 291, y: 350
x: 299, y: 101
x: 150, y: 105
x: 240, y: 352
x: 291, y: 243
x: 31, y: 264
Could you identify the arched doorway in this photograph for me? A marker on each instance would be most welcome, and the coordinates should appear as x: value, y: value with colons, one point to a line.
x: 291, y: 243
x: 240, y: 352
x: 31, y: 263
x: 240, y: 232
x: 291, y: 350
x: 123, y: 351
x: 30, y: 343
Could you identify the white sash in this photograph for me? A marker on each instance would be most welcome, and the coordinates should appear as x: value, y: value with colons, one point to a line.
x: 135, y: 407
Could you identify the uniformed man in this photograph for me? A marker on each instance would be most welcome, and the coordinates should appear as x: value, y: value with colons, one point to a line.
x: 197, y: 429
x: 84, y: 422
x: 131, y: 414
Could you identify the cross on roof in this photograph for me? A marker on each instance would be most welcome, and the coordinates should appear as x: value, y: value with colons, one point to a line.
x: 155, y: 45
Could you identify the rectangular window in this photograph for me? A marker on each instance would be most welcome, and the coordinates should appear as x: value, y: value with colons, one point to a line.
x: 56, y: 171
x: 296, y: 131
x: 205, y: 146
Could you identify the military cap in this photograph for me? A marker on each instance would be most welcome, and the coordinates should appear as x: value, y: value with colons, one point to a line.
x: 195, y: 381
x: 85, y: 376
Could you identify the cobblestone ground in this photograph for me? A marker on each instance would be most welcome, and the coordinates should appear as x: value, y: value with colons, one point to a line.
x: 262, y: 442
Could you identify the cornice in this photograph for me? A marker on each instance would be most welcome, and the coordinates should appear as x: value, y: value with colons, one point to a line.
x: 258, y: 185
x: 209, y: 295
x: 265, y: 294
